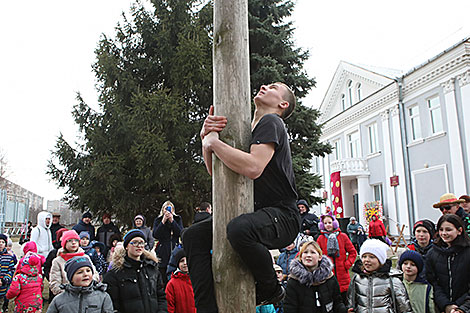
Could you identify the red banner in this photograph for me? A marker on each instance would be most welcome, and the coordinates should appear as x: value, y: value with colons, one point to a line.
x: 336, y: 198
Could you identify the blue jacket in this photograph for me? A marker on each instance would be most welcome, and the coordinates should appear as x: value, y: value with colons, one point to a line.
x: 285, y: 258
x: 81, y: 226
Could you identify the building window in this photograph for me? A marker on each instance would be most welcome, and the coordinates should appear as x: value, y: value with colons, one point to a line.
x: 337, y: 150
x: 378, y: 193
x: 316, y: 165
x: 359, y: 92
x: 415, y: 122
x: 436, y: 115
x: 373, y: 138
x: 353, y: 144
x: 343, y: 101
x: 350, y: 93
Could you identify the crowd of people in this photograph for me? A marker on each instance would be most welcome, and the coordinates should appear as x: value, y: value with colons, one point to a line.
x: 168, y: 268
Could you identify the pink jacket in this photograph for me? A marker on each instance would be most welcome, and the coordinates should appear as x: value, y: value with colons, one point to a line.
x: 27, y: 285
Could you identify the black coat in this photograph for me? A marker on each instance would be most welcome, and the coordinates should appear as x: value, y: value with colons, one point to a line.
x: 446, y: 265
x: 310, y: 222
x: 168, y: 236
x: 81, y: 226
x: 54, y: 228
x: 135, y: 286
x: 313, y: 292
x: 105, y: 232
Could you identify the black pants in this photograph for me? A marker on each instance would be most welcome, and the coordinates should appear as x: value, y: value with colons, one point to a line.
x: 251, y: 236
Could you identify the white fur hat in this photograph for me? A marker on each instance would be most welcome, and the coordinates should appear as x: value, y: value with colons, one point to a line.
x: 375, y: 247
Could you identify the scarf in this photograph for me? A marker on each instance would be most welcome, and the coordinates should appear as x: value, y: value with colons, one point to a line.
x: 332, y: 246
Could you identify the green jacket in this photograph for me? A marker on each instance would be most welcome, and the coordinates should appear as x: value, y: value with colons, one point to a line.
x: 417, y: 295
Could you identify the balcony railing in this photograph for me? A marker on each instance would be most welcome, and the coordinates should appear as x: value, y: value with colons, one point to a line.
x: 350, y: 167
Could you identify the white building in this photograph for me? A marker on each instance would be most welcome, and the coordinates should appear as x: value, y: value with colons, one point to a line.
x: 415, y: 125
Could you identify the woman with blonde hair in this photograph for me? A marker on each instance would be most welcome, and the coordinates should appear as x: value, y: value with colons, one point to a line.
x: 167, y: 230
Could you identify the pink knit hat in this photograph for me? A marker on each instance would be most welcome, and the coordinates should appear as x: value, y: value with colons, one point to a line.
x: 30, y: 246
x: 70, y: 234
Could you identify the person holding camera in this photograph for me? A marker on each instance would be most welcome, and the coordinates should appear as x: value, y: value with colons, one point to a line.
x: 167, y: 230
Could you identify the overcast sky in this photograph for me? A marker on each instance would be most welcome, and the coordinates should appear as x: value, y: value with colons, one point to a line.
x: 48, y: 47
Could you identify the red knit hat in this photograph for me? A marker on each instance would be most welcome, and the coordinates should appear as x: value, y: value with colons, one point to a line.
x: 30, y: 246
x: 69, y: 234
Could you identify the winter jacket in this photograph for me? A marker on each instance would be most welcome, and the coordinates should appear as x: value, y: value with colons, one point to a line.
x: 421, y: 250
x: 310, y: 222
x: 377, y: 228
x: 105, y: 231
x: 48, y: 264
x: 420, y: 293
x: 58, y: 276
x: 81, y: 226
x: 27, y: 285
x: 168, y: 235
x: 285, y: 258
x: 41, y: 234
x: 135, y: 286
x: 91, y: 299
x: 200, y: 216
x: 179, y: 294
x: 342, y: 263
x: 149, y: 240
x: 7, y: 268
x: 352, y: 231
x: 269, y: 308
x: 447, y: 269
x: 465, y: 218
x: 374, y: 292
x: 316, y: 291
x: 54, y: 228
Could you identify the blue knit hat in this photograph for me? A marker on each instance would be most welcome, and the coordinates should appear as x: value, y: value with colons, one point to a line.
x: 412, y: 256
x: 4, y: 238
x: 75, y: 263
x: 131, y: 234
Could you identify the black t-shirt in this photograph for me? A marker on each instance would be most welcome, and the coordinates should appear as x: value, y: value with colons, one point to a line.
x: 276, y: 185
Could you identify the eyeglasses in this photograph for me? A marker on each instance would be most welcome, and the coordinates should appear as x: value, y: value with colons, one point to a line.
x: 137, y: 243
x: 73, y: 240
x: 446, y: 207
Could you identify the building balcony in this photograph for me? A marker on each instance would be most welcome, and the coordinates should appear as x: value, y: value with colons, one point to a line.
x: 350, y: 167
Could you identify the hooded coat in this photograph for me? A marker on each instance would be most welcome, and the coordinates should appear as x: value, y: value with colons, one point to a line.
x: 374, y: 292
x: 41, y: 234
x: 149, y: 240
x: 343, y: 262
x: 135, y: 286
x: 447, y: 269
x: 82, y: 300
x: 27, y: 284
x: 376, y: 228
x: 316, y: 291
x: 179, y: 294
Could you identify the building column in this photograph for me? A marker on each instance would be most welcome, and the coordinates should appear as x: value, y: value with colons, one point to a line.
x: 389, y: 201
x: 464, y: 83
x: 364, y: 191
x: 455, y: 144
x: 402, y: 216
x: 326, y: 179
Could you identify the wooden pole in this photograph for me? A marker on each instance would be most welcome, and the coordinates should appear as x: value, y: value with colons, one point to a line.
x: 232, y: 193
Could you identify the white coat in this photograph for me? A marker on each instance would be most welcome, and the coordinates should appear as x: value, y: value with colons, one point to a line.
x: 41, y: 234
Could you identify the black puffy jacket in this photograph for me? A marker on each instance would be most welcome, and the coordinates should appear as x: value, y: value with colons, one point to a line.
x: 309, y: 292
x: 135, y: 286
x: 448, y: 270
x: 310, y: 222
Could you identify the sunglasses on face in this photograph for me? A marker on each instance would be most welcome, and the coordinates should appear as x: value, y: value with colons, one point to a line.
x: 446, y: 208
x: 137, y: 243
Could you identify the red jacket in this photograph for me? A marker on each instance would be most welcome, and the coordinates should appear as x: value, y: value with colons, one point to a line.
x: 343, y: 263
x: 179, y: 294
x: 377, y: 228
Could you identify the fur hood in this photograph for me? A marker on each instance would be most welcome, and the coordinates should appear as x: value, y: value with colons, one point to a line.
x: 118, y: 259
x: 300, y: 273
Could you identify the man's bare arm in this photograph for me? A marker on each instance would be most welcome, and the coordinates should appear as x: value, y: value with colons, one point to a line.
x: 250, y: 164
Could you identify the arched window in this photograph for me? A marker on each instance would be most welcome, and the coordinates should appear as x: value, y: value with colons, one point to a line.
x: 359, y: 92
x: 343, y: 101
x: 350, y: 93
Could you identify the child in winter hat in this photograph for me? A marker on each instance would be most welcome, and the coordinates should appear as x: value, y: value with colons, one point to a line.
x: 376, y: 286
x: 419, y: 290
x: 82, y: 289
x: 179, y: 291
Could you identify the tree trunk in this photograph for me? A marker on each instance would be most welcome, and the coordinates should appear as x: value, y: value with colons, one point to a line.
x: 232, y: 193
